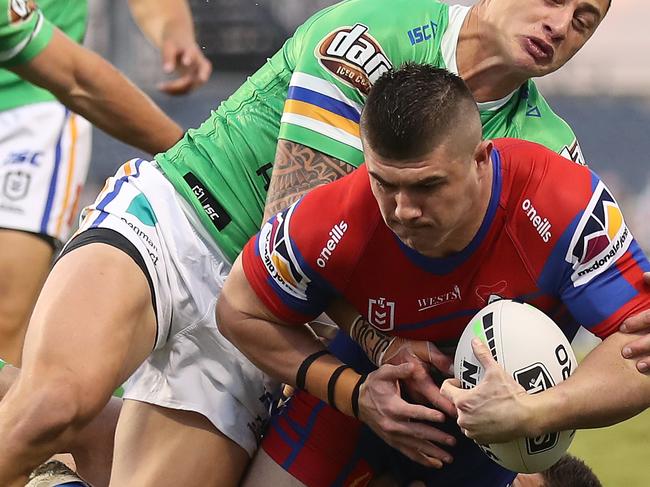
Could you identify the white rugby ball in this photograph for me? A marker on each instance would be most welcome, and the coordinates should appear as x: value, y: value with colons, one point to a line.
x: 530, y: 347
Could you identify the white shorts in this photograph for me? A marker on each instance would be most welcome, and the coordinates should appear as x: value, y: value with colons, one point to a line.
x: 44, y: 158
x: 192, y: 367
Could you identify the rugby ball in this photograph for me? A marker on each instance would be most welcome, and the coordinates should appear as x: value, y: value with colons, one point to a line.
x: 530, y: 347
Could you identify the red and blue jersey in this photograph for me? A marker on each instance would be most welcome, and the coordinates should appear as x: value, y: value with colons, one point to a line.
x: 553, y: 236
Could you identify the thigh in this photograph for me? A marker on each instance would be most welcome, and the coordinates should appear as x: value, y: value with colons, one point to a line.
x: 93, y: 323
x: 25, y: 260
x: 158, y: 447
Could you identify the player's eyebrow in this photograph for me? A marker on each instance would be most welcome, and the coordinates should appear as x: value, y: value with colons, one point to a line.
x: 377, y: 177
x: 430, y: 180
x: 591, y: 9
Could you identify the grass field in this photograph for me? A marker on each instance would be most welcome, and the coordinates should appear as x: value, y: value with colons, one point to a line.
x: 618, y: 454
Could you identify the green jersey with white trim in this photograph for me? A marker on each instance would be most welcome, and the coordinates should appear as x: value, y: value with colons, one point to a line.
x: 25, y: 30
x: 312, y: 91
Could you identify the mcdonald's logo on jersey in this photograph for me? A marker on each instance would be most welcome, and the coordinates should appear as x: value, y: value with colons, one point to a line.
x: 353, y: 56
x: 278, y: 256
x: 600, y: 238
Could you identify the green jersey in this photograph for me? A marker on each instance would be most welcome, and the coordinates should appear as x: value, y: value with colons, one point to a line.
x: 25, y: 30
x: 312, y: 91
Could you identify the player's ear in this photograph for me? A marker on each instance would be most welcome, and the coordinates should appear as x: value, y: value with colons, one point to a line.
x: 482, y: 153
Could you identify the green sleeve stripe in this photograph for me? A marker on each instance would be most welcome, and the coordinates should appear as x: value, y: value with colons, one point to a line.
x: 323, y: 144
x: 34, y: 44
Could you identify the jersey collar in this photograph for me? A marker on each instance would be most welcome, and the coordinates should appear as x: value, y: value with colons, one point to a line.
x: 445, y: 265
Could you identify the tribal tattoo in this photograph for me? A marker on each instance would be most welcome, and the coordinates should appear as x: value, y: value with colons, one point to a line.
x: 298, y: 169
x: 373, y: 342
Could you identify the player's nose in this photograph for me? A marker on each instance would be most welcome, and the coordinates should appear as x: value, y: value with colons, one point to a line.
x: 406, y: 208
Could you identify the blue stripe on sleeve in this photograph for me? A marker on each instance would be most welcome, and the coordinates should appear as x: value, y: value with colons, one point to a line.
x: 328, y: 103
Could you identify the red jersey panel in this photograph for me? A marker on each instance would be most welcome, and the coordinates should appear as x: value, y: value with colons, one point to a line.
x: 553, y: 236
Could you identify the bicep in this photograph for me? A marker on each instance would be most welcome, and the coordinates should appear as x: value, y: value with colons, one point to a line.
x: 298, y: 169
x: 242, y: 299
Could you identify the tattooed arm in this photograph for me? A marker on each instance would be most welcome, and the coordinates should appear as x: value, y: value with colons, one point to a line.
x: 296, y: 170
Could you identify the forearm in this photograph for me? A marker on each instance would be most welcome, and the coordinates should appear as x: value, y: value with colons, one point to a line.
x: 159, y: 19
x: 90, y: 86
x: 605, y: 389
x: 119, y: 108
x: 278, y: 348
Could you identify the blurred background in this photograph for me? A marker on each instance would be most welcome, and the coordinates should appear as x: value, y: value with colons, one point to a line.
x: 604, y: 93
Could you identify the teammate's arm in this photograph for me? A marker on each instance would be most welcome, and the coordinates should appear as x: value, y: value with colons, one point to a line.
x: 296, y: 170
x: 280, y: 348
x: 168, y: 25
x: 92, y: 87
x: 605, y: 389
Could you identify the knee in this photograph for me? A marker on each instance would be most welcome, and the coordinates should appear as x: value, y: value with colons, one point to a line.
x: 14, y: 312
x: 52, y: 412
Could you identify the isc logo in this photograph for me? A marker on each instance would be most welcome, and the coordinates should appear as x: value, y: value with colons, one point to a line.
x: 353, y: 56
x: 422, y: 33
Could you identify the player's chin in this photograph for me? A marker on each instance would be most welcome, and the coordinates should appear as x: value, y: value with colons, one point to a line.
x: 533, y: 69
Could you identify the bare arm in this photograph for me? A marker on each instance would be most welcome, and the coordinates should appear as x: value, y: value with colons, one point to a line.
x: 92, y: 87
x: 280, y: 348
x: 296, y: 170
x: 605, y: 389
x: 168, y: 25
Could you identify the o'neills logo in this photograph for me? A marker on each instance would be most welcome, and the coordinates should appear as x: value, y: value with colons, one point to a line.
x: 354, y: 56
x: 542, y: 225
x: 336, y: 234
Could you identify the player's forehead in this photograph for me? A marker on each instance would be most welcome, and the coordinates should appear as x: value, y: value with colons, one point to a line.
x: 438, y: 164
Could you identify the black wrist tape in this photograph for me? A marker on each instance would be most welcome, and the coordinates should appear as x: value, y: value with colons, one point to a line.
x: 355, y: 396
x: 331, y: 385
x: 301, y: 376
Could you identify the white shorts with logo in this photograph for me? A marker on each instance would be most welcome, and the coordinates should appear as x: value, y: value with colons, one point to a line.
x: 44, y: 158
x: 192, y: 367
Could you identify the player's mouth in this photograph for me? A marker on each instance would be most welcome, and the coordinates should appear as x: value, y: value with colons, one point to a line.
x: 541, y: 51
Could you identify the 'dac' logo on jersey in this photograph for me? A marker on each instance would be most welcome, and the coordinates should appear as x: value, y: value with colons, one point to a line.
x: 600, y: 238
x: 278, y: 256
x: 353, y: 56
x: 20, y: 10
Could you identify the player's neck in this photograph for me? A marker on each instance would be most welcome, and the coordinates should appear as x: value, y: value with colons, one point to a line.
x: 481, y: 64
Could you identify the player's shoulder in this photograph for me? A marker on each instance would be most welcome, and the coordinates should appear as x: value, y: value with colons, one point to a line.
x: 334, y: 220
x: 544, y: 126
x: 364, y: 38
x: 533, y: 169
x: 542, y: 194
